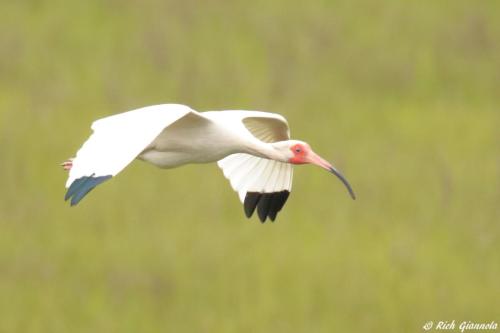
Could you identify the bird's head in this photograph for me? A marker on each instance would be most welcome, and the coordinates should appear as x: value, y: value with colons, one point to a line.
x: 299, y: 152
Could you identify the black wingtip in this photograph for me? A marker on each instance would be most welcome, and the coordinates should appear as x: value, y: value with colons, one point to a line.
x: 264, y: 206
x: 251, y: 201
x: 73, y: 187
x: 277, y: 204
x: 267, y: 204
x: 82, y: 186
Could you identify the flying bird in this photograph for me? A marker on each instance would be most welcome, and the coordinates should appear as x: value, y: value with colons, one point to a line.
x: 253, y: 149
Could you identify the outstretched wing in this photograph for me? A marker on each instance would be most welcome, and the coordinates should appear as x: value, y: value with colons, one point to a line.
x: 116, y: 141
x: 262, y: 184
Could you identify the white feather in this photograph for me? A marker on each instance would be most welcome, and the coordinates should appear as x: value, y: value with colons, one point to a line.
x: 248, y: 173
x: 256, y: 174
x: 170, y: 135
x: 117, y: 140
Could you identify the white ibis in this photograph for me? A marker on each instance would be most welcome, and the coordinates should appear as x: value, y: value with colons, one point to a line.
x: 252, y: 148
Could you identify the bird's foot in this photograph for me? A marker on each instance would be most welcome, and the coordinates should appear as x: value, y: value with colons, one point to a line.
x: 67, y: 164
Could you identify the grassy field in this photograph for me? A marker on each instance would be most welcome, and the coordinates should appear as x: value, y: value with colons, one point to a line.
x: 404, y: 97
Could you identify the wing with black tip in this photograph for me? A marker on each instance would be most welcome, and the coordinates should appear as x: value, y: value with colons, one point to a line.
x: 263, y: 185
x: 115, y: 142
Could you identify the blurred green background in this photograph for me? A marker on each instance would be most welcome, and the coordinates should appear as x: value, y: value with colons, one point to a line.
x: 403, y: 97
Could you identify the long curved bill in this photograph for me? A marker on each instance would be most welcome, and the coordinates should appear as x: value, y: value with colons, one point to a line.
x: 314, y: 158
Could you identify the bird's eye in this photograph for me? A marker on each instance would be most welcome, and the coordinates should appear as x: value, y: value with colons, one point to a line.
x: 298, y: 150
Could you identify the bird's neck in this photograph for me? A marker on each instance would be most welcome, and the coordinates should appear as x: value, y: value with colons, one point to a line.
x: 268, y: 150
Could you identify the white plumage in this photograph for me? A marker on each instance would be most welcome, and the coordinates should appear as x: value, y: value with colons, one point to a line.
x: 252, y: 148
x: 248, y: 173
